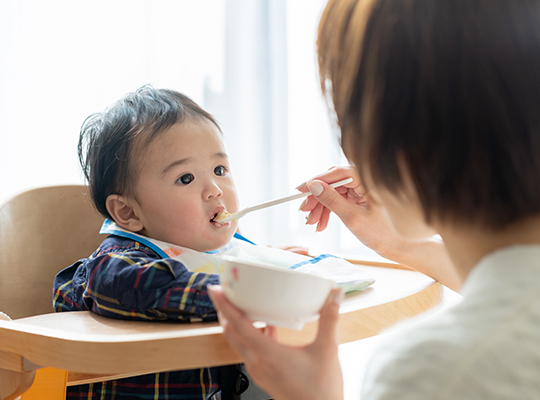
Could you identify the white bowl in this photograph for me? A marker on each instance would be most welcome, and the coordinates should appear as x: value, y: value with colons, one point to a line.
x: 272, y: 294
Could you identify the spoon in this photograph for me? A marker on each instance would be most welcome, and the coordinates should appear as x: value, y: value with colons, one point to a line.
x: 224, y: 217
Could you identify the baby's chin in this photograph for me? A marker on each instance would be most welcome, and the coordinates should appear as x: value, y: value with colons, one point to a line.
x: 214, y: 244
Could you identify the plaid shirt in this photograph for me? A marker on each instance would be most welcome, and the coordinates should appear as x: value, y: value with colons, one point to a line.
x: 127, y: 280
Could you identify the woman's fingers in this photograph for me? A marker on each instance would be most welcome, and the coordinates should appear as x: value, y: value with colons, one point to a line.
x: 271, y: 331
x: 320, y: 214
x: 334, y: 174
x: 315, y: 214
x: 334, y: 201
x: 325, y: 347
x: 237, y: 329
x: 325, y: 218
x: 323, y: 201
x: 327, y: 332
x: 309, y: 204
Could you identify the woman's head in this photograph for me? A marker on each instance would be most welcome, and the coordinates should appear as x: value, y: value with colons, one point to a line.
x: 442, y: 92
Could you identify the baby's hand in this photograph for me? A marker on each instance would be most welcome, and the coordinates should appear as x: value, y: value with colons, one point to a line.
x: 296, y: 249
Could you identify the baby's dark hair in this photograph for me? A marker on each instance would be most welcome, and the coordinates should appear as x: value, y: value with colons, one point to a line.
x: 110, y: 141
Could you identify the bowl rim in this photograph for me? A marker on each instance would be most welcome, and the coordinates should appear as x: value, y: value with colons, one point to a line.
x: 264, y: 265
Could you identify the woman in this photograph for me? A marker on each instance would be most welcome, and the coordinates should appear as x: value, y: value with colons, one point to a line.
x: 437, y: 102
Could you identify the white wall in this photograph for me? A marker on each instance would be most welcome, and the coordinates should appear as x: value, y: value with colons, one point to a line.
x: 249, y: 62
x: 63, y: 60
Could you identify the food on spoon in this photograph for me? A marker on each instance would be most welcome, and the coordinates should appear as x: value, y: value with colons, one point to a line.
x: 220, y: 216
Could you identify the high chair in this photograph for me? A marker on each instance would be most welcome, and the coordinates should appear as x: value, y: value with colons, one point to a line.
x: 42, y: 231
x: 46, y: 229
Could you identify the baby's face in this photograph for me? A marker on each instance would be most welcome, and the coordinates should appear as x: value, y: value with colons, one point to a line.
x: 184, y: 180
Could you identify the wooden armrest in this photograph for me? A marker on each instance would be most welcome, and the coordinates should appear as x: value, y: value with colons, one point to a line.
x: 375, y: 262
x: 113, y: 346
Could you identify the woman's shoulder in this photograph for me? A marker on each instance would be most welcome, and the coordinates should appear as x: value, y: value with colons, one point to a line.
x: 411, y: 361
x: 467, y: 351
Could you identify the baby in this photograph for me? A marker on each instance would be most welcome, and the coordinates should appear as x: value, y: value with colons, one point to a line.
x: 157, y: 169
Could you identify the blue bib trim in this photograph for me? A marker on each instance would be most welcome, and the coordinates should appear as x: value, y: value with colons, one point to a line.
x: 107, y: 229
x: 314, y: 260
x: 238, y: 236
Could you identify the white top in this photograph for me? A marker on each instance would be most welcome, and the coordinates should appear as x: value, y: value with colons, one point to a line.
x: 485, y: 347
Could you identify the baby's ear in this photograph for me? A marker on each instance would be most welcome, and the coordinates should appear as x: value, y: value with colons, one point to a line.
x: 123, y: 213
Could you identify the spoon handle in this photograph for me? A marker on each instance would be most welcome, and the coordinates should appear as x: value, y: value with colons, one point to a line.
x: 241, y: 213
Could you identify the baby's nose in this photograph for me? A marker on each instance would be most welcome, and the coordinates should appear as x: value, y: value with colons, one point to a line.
x: 212, y: 190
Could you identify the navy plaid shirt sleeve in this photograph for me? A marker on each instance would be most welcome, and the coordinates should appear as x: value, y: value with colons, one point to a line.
x: 124, y: 279
x: 127, y: 280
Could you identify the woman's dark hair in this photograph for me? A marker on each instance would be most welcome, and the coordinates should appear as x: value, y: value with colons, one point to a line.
x: 452, y: 88
x: 110, y: 142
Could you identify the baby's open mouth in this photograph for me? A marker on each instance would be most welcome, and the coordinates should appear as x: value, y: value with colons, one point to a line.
x: 220, y: 216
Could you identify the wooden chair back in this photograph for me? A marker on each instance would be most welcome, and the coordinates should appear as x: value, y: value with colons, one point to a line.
x: 42, y: 231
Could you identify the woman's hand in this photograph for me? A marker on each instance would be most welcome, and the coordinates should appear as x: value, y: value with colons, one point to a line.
x: 309, y: 372
x: 353, y: 205
x: 366, y: 220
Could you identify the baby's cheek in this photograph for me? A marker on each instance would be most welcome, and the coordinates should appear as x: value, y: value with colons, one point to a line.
x: 231, y: 200
x: 191, y: 212
x: 190, y: 222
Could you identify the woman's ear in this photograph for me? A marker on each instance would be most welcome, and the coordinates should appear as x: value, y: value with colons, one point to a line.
x: 123, y: 213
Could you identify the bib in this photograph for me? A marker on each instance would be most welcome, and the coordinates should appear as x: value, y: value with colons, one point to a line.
x: 345, y: 274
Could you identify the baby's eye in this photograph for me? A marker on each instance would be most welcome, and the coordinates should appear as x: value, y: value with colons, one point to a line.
x: 220, y: 170
x: 186, y: 179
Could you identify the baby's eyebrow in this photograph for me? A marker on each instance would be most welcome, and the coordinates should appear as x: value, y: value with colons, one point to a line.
x: 174, y: 164
x: 188, y: 159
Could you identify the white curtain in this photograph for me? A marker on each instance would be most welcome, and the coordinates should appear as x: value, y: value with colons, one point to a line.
x: 249, y: 62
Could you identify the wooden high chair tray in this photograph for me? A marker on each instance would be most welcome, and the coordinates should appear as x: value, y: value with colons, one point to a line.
x: 92, y: 347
